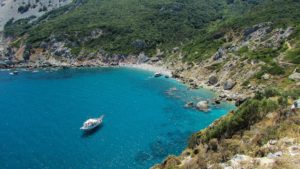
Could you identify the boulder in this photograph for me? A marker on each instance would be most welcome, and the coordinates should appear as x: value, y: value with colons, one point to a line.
x: 223, y: 96
x: 176, y: 49
x: 240, y: 101
x: 213, y: 80
x: 189, y: 104
x: 142, y: 58
x: 229, y: 84
x: 295, y: 76
x: 154, y: 59
x: 266, y: 76
x: 3, y: 65
x: 217, y: 101
x: 202, y: 105
x: 219, y: 54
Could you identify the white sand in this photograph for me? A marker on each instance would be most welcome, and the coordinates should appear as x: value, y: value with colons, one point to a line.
x: 148, y: 67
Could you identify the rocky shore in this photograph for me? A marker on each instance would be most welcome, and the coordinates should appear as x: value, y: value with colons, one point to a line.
x: 160, y: 66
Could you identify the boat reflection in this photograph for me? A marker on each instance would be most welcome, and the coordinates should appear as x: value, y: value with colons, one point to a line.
x: 91, y: 132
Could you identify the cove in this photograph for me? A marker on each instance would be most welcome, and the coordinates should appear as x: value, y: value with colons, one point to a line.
x: 41, y: 114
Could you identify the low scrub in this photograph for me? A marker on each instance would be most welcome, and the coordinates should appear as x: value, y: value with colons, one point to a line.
x: 249, y: 113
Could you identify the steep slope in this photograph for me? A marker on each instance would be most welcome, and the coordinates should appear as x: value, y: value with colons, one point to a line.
x: 25, y: 8
x: 126, y: 26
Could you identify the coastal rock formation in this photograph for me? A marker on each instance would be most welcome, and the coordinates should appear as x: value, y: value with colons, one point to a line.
x: 189, y: 104
x: 229, y: 84
x: 213, y: 80
x: 295, y: 76
x: 220, y: 54
x: 202, y: 105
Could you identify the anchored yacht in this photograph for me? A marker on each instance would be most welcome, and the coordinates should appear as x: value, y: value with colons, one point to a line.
x: 92, y: 123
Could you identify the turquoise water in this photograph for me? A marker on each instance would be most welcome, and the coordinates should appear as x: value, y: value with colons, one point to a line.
x: 41, y: 114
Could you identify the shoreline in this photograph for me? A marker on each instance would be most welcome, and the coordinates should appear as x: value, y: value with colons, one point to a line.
x: 148, y: 67
x: 230, y: 96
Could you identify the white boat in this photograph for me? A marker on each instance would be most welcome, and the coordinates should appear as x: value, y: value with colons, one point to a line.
x: 91, y: 123
x: 14, y: 73
x: 157, y: 74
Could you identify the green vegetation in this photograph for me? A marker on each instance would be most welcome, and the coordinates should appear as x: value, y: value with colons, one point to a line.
x: 273, y: 69
x: 24, y: 8
x: 294, y: 56
x: 247, y: 114
x: 198, y: 26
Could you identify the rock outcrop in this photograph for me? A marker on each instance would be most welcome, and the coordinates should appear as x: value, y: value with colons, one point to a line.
x: 229, y: 84
x: 213, y: 80
x: 202, y: 105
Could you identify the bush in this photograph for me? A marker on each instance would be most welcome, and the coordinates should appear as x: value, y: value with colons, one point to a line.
x: 273, y: 69
x: 22, y: 9
x: 271, y: 92
x: 250, y: 112
x: 294, y: 56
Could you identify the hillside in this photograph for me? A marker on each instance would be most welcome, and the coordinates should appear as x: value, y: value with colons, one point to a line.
x: 26, y: 8
x: 246, y: 50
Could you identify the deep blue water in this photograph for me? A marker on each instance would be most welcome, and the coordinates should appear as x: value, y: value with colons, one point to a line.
x: 41, y: 114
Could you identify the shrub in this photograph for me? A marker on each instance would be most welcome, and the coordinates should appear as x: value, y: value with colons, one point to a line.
x: 273, y: 69
x: 271, y: 92
x: 250, y: 112
x: 22, y: 9
x: 294, y: 56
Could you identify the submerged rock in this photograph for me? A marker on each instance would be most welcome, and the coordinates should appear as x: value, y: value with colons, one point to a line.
x: 189, y: 104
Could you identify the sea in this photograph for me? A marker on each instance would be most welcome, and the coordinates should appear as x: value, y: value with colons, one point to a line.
x: 145, y: 119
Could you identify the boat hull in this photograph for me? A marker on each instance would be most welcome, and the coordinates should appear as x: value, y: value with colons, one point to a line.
x: 88, y: 128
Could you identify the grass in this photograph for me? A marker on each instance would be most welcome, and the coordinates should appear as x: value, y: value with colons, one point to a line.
x: 293, y: 56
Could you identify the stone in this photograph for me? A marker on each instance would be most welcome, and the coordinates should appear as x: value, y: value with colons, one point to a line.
x: 218, y: 101
x: 213, y: 80
x: 229, y: 84
x: 223, y: 95
x: 219, y: 54
x: 273, y: 142
x: 176, y: 49
x: 142, y: 58
x: 154, y: 59
x: 240, y: 101
x: 202, y: 105
x: 3, y: 65
x: 294, y: 150
x: 295, y: 76
x: 266, y: 76
x: 189, y: 104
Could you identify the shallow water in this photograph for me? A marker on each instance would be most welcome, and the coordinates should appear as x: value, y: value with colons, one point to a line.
x: 41, y: 114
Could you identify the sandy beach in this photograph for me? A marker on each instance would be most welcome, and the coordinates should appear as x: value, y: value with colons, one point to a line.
x: 148, y: 67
